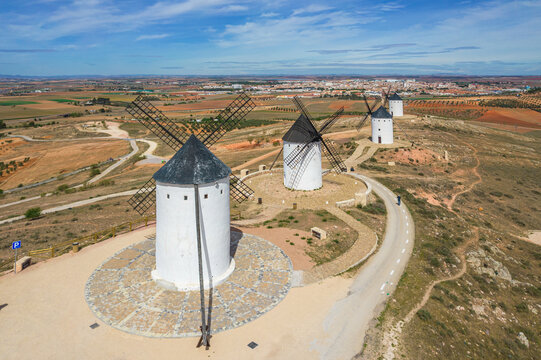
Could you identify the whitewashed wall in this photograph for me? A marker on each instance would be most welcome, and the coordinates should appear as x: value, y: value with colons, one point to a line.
x: 310, y: 177
x: 176, y: 237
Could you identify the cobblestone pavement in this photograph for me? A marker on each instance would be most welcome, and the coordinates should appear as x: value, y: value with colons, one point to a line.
x: 122, y: 294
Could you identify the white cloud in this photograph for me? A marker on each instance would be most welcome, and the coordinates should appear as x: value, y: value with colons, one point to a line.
x: 152, y: 37
x: 314, y: 8
x: 86, y: 16
x: 269, y: 14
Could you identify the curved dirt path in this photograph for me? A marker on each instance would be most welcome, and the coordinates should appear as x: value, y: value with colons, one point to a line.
x: 475, y: 170
x: 73, y: 204
x: 391, y: 338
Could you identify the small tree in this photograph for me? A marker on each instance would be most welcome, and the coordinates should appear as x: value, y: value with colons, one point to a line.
x: 32, y: 213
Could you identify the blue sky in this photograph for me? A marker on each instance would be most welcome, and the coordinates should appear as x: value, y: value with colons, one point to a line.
x: 230, y: 37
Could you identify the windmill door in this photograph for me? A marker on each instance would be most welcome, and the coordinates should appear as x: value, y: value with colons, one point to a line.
x: 379, y: 139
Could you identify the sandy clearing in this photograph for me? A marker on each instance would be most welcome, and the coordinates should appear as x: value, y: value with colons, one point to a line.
x: 535, y: 237
x: 40, y: 307
x: 270, y: 187
x: 112, y: 129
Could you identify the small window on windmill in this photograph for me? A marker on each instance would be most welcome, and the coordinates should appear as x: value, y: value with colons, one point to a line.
x: 185, y: 197
x: 168, y: 196
x: 221, y: 191
x: 206, y: 196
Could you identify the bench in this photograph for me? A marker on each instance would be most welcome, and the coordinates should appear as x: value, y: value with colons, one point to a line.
x: 23, y: 263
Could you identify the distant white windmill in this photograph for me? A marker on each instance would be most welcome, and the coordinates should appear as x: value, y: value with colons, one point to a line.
x: 302, y: 146
x: 396, y: 105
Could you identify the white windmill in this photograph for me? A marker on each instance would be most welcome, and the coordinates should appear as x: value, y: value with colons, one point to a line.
x: 302, y: 148
x: 191, y: 192
x: 382, y: 126
x: 192, y: 179
x: 381, y: 121
x: 396, y: 105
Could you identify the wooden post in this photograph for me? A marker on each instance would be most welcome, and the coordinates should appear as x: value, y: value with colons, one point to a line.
x: 146, y: 220
x: 95, y: 237
x: 114, y: 232
x: 52, y: 252
x: 130, y: 226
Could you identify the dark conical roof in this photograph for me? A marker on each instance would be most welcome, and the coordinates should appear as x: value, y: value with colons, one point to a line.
x: 395, y: 97
x: 192, y: 164
x: 381, y: 113
x: 302, y: 131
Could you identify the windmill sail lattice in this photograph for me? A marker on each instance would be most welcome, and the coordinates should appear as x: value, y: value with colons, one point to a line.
x: 175, y: 136
x: 300, y: 153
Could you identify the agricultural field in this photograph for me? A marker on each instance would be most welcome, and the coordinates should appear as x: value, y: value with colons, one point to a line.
x: 505, y: 112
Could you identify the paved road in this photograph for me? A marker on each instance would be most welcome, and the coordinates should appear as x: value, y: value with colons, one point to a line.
x: 348, y: 320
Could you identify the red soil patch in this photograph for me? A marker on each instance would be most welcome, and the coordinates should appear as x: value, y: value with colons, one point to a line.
x: 528, y: 118
x: 335, y: 105
x: 418, y: 156
x: 429, y: 197
x: 243, y: 145
x: 278, y: 236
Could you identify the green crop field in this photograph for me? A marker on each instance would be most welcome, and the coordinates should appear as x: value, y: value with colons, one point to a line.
x: 16, y: 102
x: 62, y: 100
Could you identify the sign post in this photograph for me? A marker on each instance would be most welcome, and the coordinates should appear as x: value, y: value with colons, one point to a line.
x: 15, y: 245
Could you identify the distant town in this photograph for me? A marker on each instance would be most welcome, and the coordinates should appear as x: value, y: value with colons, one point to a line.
x: 179, y: 87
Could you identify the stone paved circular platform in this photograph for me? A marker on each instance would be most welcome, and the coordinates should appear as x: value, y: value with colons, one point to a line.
x: 122, y: 294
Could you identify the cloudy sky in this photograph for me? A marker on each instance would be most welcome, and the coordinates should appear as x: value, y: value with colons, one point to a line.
x: 230, y: 37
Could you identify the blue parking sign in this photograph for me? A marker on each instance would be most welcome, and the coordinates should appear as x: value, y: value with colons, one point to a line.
x: 16, y: 245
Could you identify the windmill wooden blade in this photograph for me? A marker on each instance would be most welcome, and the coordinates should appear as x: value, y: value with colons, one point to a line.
x: 386, y: 96
x: 276, y: 158
x: 303, y: 110
x: 370, y: 110
x: 238, y: 190
x: 361, y: 123
x: 297, y: 155
x: 228, y: 119
x: 330, y: 121
x: 144, y: 198
x: 154, y: 120
x: 333, y: 157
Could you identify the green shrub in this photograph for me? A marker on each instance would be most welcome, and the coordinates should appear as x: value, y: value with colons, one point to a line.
x: 424, y: 315
x: 522, y: 307
x: 32, y: 213
x: 63, y: 187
